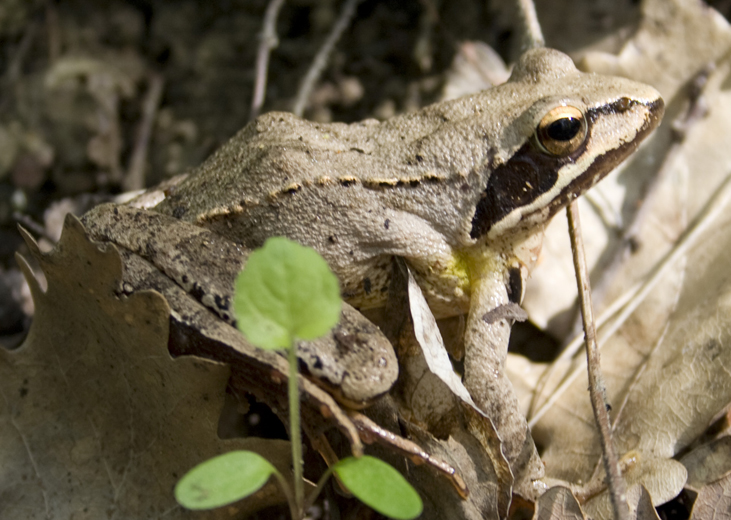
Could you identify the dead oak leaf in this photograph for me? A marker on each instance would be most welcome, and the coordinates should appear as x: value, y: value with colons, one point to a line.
x: 713, y: 501
x: 97, y: 420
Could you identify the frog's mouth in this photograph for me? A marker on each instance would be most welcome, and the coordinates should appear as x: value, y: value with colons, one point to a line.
x: 532, y: 186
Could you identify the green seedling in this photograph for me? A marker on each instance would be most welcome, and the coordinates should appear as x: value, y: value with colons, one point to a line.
x: 287, y: 293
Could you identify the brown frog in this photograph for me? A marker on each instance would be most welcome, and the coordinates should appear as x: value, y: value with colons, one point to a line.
x: 461, y: 190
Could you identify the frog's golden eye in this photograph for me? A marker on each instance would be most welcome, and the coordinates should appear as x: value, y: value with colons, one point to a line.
x: 561, y: 131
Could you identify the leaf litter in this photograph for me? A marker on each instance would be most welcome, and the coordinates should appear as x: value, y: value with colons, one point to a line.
x: 666, y: 368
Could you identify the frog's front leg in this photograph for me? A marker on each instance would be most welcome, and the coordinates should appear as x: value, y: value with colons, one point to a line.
x: 496, y: 290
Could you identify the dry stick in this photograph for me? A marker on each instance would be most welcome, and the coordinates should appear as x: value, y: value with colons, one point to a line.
x: 597, y: 389
x: 53, y: 28
x: 267, y: 41
x: 320, y: 61
x: 423, y: 51
x: 631, y: 299
x: 135, y: 178
x: 10, y: 81
x: 532, y: 35
x: 15, y: 67
x: 28, y: 222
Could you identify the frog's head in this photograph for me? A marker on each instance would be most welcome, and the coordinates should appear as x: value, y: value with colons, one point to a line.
x: 574, y: 130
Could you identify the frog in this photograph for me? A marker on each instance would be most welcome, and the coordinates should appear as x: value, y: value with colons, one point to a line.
x: 460, y: 190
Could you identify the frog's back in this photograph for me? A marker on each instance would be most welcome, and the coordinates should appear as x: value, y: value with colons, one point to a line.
x: 419, y: 186
x: 276, y: 152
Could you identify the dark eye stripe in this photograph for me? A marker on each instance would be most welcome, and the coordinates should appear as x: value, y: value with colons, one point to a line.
x: 526, y: 176
x: 530, y: 173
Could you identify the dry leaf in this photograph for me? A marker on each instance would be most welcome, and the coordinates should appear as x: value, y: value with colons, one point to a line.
x: 708, y: 462
x: 713, y: 501
x: 475, y: 67
x: 98, y: 419
x: 662, y: 480
x: 558, y: 503
x: 640, y: 504
x: 676, y: 386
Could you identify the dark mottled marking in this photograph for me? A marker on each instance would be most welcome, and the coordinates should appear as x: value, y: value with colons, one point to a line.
x: 179, y: 211
x: 713, y: 348
x: 331, y: 239
x: 509, y: 311
x: 197, y: 292
x: 222, y: 302
x: 386, y: 223
x: 367, y: 285
x: 347, y: 182
x: 515, y: 285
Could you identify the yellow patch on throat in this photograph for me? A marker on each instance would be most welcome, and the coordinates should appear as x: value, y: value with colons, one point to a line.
x: 479, y: 262
x: 459, y: 270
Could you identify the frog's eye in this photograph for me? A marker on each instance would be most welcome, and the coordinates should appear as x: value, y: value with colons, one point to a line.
x: 561, y: 131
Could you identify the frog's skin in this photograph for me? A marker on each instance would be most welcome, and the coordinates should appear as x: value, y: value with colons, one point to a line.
x: 354, y: 361
x: 461, y: 190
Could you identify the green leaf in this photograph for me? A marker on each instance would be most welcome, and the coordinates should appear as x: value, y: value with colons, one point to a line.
x: 285, y: 292
x: 223, y: 479
x: 380, y: 486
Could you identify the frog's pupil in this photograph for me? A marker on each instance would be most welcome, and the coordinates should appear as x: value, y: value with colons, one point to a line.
x: 564, y: 129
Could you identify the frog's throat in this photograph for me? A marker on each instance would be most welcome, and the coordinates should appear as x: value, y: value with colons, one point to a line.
x: 472, y: 266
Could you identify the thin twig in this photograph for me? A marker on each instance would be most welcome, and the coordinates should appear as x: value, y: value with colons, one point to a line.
x: 53, y: 30
x: 15, y: 67
x: 626, y: 304
x: 35, y: 227
x: 423, y: 48
x: 295, y: 430
x: 135, y: 177
x: 267, y: 41
x: 320, y: 61
x: 597, y: 389
x: 11, y: 84
x: 532, y: 34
